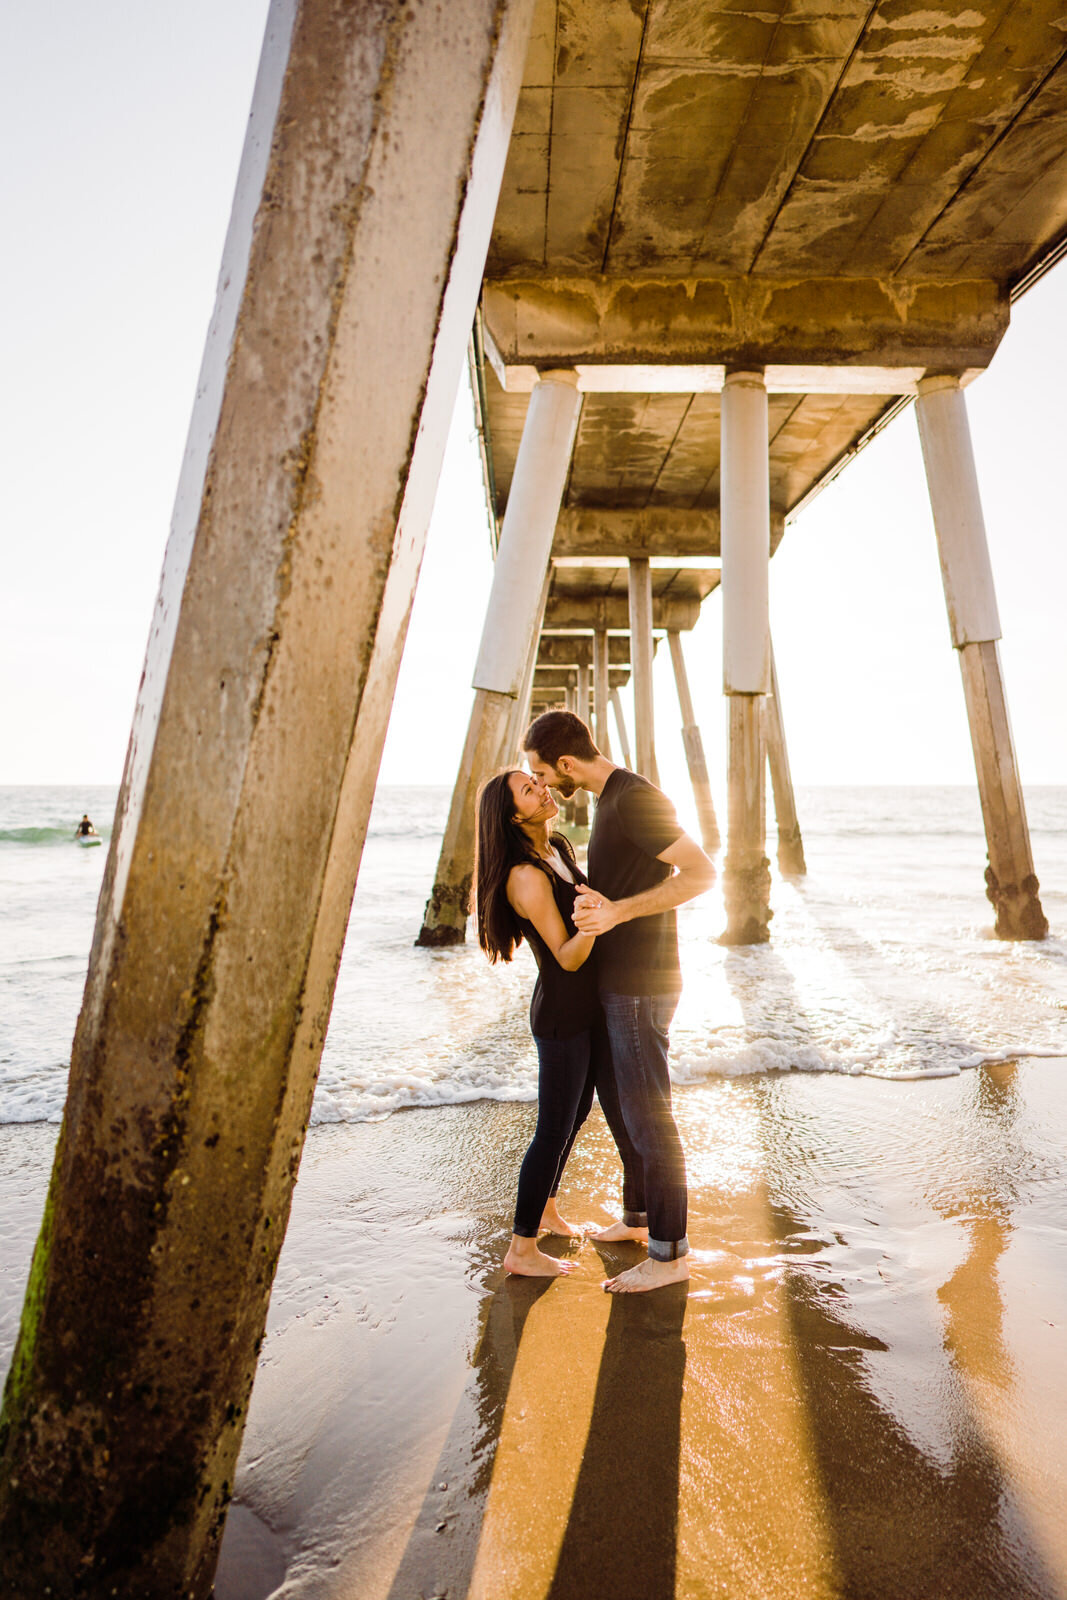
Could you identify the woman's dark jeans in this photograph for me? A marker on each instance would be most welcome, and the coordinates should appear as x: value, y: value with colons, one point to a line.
x: 569, y: 1070
x: 638, y: 1028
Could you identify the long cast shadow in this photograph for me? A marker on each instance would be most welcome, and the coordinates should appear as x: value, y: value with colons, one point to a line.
x: 621, y: 1535
x: 441, y: 1551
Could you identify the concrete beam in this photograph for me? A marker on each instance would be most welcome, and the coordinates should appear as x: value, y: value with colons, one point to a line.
x: 576, y: 650
x: 660, y: 531
x: 567, y: 678
x: 572, y: 613
x: 878, y: 335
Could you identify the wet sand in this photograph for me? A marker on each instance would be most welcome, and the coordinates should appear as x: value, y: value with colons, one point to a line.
x: 862, y: 1391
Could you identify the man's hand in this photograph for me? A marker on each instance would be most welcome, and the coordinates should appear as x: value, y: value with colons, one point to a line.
x: 593, y: 913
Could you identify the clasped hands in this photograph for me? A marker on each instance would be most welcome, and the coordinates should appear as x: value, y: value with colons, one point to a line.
x: 593, y: 913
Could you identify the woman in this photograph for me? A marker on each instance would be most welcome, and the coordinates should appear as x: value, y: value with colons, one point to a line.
x: 526, y: 880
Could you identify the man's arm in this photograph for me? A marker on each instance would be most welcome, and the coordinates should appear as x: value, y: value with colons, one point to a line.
x: 693, y: 873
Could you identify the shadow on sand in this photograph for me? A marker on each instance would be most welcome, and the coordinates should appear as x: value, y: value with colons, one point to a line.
x: 904, y: 1523
x: 621, y: 1536
x: 621, y: 1532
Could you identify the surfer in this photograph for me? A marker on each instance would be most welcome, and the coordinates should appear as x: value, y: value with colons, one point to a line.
x: 85, y: 829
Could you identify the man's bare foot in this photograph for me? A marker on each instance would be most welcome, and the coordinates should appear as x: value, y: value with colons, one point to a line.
x: 649, y: 1275
x: 617, y: 1231
x: 526, y: 1261
x: 552, y: 1222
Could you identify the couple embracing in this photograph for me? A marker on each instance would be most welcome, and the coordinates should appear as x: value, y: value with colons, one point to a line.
x: 607, y: 987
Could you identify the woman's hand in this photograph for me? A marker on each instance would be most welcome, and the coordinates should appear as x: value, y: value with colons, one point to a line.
x: 593, y: 912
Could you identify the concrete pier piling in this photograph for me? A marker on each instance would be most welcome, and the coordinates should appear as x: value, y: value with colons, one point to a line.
x: 509, y: 632
x: 520, y: 716
x: 694, y: 750
x: 745, y: 513
x: 312, y: 459
x: 791, y: 860
x: 585, y: 711
x: 974, y: 622
x: 641, y: 656
x: 601, y: 692
x: 620, y: 726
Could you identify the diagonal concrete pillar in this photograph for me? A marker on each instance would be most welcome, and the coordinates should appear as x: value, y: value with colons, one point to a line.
x: 790, y: 844
x: 694, y: 749
x: 745, y: 511
x: 1011, y: 884
x: 601, y: 692
x: 640, y: 574
x: 520, y: 716
x: 349, y: 282
x: 620, y: 724
x: 511, y: 625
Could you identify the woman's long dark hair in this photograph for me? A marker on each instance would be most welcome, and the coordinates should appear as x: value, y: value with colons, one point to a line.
x: 500, y: 844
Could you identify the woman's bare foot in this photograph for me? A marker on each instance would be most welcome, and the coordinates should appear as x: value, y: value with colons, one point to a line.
x: 552, y: 1222
x: 649, y: 1275
x: 526, y: 1261
x: 617, y: 1231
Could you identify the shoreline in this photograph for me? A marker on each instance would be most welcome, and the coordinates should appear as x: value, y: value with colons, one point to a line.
x: 862, y: 1391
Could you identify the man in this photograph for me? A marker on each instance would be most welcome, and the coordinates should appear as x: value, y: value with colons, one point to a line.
x: 641, y: 866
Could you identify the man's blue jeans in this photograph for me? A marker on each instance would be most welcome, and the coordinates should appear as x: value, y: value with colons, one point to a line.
x: 638, y: 1026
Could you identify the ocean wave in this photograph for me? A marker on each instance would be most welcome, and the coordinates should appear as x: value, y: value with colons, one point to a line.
x: 774, y: 1055
x: 41, y: 835
x: 40, y: 1097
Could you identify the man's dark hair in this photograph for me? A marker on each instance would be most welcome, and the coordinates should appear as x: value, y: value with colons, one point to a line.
x: 560, y: 733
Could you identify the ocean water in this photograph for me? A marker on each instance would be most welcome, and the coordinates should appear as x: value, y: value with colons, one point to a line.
x: 882, y: 960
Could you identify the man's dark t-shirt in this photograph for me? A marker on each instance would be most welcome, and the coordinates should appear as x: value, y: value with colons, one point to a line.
x: 634, y: 822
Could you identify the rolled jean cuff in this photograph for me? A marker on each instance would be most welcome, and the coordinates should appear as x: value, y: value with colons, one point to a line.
x: 668, y: 1249
x: 635, y: 1219
x: 524, y: 1233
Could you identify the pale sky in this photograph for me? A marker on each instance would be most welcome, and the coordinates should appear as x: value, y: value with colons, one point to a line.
x: 123, y: 125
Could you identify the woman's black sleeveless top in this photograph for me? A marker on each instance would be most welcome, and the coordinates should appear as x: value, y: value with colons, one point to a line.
x: 564, y: 1003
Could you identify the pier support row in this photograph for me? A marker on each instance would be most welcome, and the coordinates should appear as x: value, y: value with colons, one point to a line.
x: 746, y: 552
x: 349, y: 283
x: 974, y: 623
x: 512, y: 621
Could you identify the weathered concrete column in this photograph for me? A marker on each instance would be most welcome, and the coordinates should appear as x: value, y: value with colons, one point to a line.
x: 582, y: 699
x: 585, y: 707
x: 349, y: 281
x: 746, y: 543
x: 620, y: 724
x: 520, y: 716
x: 974, y: 622
x: 511, y: 623
x: 601, y: 692
x: 790, y: 844
x: 641, y: 661
x: 694, y: 750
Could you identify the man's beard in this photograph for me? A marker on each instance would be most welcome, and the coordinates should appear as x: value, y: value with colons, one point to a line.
x: 564, y: 787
